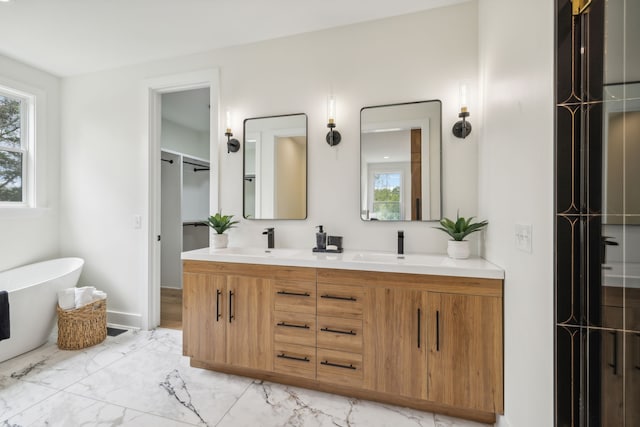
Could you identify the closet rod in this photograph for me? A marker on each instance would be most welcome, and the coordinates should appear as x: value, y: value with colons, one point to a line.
x: 195, y: 224
x: 193, y: 164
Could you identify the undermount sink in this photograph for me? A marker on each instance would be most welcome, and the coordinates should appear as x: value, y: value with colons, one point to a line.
x: 256, y: 252
x: 376, y: 257
x: 406, y: 259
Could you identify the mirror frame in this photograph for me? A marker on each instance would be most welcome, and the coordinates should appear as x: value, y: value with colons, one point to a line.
x: 306, y: 184
x: 440, y: 174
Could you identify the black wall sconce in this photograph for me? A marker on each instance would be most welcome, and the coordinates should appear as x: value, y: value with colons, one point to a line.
x: 333, y: 136
x: 233, y: 145
x: 462, y: 128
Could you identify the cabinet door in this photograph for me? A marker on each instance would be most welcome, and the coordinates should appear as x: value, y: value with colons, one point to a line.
x: 203, y: 316
x: 395, y: 341
x: 249, y: 320
x: 465, y: 351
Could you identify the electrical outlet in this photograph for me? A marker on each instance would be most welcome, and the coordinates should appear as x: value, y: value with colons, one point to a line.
x: 137, y: 221
x: 523, y: 234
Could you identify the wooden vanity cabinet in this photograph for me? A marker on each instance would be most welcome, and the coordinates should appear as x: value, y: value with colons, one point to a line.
x: 227, y: 314
x: 428, y: 342
x: 294, y: 323
x: 464, y: 363
x: 339, y: 330
x: 203, y: 316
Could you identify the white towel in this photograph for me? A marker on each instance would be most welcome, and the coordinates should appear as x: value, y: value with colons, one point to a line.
x: 84, y: 295
x: 98, y: 295
x: 67, y: 298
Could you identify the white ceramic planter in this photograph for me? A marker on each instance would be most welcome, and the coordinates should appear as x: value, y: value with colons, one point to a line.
x: 458, y: 249
x: 220, y: 241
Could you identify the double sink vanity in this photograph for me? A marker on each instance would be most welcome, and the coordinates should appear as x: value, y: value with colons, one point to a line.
x: 422, y: 331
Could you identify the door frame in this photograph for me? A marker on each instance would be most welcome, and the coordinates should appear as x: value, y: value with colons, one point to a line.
x: 154, y: 89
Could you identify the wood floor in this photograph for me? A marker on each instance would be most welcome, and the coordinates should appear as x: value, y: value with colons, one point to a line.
x: 171, y: 308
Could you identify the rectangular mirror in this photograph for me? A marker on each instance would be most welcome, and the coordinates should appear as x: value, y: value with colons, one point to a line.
x: 621, y: 154
x: 401, y: 161
x: 275, y: 167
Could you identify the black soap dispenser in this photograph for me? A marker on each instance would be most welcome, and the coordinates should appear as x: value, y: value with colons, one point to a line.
x: 321, y: 239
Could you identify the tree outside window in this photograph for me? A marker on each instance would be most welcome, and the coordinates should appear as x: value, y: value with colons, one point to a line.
x: 387, y: 188
x: 12, y: 150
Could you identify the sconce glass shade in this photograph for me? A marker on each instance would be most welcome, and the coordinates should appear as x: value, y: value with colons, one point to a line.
x: 333, y: 136
x: 233, y: 145
x: 331, y: 109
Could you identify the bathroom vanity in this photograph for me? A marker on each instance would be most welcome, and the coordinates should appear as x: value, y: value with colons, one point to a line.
x: 423, y: 331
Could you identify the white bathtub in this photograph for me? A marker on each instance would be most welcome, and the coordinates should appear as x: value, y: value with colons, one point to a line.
x: 33, y: 296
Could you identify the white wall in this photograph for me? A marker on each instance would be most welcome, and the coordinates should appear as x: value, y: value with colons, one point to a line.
x: 181, y: 139
x: 409, y: 58
x: 171, y: 227
x: 30, y: 235
x: 516, y: 186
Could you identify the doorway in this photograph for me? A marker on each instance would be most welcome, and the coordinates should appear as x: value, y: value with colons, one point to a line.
x: 183, y: 183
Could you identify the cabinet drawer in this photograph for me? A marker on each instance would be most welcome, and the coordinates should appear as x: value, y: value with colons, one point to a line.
x: 340, y: 301
x: 294, y: 328
x: 339, y: 367
x: 297, y: 360
x: 295, y: 297
x: 340, y: 334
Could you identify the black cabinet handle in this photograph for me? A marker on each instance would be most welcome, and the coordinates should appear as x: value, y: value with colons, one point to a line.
x: 337, y: 297
x: 295, y: 294
x: 230, y: 306
x: 437, y: 330
x: 337, y: 331
x: 291, y: 325
x: 300, y: 359
x: 337, y: 365
x: 218, y: 315
x: 638, y: 353
x: 419, y: 315
x: 614, y: 365
x: 418, y: 208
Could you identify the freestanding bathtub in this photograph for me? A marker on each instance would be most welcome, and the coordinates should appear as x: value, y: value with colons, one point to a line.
x: 33, y: 296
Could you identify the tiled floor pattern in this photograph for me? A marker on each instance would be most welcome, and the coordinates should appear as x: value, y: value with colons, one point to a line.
x: 141, y: 379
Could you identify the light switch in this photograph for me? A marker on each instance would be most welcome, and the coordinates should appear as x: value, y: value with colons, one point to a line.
x: 137, y: 221
x: 523, y: 234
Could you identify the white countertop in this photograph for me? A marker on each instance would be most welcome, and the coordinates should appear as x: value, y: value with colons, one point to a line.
x: 439, y: 265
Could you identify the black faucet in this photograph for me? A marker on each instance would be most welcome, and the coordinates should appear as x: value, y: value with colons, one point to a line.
x: 270, y: 232
x: 400, y: 242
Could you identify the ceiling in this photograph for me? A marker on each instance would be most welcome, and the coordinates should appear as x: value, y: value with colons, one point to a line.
x: 71, y: 37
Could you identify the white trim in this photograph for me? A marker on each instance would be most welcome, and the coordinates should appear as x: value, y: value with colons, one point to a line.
x: 153, y: 89
x: 27, y: 145
x: 129, y: 320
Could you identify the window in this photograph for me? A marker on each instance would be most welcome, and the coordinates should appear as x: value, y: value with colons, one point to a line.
x: 387, y: 192
x: 15, y: 147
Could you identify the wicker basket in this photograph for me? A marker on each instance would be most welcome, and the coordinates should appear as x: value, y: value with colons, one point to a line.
x: 82, y: 327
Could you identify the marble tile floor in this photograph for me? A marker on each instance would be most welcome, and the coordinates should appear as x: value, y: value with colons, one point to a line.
x: 140, y: 378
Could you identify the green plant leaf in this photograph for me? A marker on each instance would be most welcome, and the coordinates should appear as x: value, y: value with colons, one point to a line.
x: 462, y: 227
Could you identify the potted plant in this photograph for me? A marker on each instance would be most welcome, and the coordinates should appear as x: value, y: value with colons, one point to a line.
x: 458, y: 248
x: 221, y: 223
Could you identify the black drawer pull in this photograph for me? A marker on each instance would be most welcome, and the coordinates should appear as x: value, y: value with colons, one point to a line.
x: 336, y: 331
x: 614, y: 365
x: 295, y: 294
x: 340, y: 298
x: 638, y: 353
x: 230, y: 306
x: 337, y: 365
x: 218, y: 315
x: 300, y: 359
x: 291, y: 325
x: 419, y: 315
x: 437, y: 330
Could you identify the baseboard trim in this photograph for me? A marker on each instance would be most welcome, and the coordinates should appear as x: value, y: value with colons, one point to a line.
x: 125, y: 320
